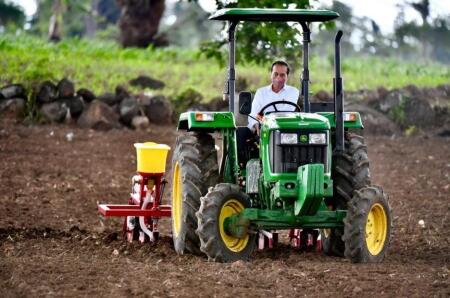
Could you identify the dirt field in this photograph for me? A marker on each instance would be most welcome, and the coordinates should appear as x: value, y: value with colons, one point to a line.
x: 54, y: 243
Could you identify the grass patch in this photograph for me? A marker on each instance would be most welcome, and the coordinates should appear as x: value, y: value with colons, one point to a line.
x: 101, y: 66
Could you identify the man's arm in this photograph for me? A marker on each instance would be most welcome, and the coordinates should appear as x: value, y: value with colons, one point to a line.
x: 256, y: 106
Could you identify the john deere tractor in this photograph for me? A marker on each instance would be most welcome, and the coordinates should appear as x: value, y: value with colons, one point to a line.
x: 308, y: 169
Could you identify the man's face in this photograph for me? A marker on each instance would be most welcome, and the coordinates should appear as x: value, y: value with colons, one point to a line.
x: 279, y: 76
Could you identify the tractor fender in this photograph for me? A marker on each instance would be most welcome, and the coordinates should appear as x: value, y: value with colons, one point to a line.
x: 206, y: 121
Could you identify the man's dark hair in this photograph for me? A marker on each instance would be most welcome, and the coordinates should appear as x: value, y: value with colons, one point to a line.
x: 280, y: 62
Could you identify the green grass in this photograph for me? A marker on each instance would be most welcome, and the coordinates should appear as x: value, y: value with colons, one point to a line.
x: 101, y: 66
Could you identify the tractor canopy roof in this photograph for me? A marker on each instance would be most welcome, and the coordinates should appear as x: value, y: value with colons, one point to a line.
x: 273, y: 15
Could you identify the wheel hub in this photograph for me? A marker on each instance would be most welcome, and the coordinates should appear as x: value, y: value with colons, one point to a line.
x: 376, y: 229
x: 230, y: 208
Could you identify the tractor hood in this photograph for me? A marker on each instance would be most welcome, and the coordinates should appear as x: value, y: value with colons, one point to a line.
x: 290, y: 120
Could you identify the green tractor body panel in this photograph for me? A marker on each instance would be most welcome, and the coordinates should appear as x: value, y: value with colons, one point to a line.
x: 353, y: 119
x: 311, y: 191
x: 274, y: 15
x: 302, y: 124
x: 209, y: 121
x: 294, y: 121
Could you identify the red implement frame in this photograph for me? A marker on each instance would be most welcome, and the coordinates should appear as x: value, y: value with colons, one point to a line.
x: 151, y: 212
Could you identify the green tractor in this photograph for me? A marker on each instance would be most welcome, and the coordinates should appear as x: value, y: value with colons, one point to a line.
x: 308, y: 170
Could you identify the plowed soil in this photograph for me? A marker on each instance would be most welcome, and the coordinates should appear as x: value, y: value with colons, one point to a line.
x: 54, y: 243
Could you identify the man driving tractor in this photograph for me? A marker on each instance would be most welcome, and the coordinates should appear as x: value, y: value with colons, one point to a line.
x: 278, y: 90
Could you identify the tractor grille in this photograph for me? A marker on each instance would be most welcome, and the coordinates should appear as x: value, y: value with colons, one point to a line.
x: 287, y: 158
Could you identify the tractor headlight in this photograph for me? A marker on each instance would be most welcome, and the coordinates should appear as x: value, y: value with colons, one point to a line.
x: 317, y: 138
x: 289, y: 138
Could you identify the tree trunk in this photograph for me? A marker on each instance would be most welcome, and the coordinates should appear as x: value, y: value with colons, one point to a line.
x: 90, y: 21
x: 54, y: 29
x: 139, y: 22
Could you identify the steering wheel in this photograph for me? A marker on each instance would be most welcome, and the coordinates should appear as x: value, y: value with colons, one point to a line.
x: 296, y: 106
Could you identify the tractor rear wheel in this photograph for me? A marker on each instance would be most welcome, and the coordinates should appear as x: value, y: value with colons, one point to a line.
x: 221, y: 202
x: 194, y: 169
x: 350, y: 173
x: 367, y: 228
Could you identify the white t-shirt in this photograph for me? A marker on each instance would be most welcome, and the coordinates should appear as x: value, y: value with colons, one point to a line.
x: 265, y: 95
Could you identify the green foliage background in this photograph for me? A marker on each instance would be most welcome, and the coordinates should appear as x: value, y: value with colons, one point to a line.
x: 101, y: 66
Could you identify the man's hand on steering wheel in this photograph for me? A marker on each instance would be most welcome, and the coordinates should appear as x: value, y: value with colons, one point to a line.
x: 260, y: 115
x: 261, y: 112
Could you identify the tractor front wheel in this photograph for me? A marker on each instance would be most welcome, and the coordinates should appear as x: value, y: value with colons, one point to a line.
x: 223, y: 201
x: 367, y: 227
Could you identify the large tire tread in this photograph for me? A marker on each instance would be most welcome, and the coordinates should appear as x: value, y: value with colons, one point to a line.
x: 350, y: 173
x: 196, y: 155
x: 355, y: 221
x: 210, y: 240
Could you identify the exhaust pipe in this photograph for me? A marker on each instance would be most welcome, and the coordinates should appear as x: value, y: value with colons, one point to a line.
x: 338, y: 94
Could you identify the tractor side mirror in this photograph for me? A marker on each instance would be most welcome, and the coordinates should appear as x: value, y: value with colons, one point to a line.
x: 245, y: 102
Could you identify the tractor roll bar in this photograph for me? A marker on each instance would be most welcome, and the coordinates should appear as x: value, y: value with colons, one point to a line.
x: 230, y: 85
x: 305, y: 76
x: 338, y: 94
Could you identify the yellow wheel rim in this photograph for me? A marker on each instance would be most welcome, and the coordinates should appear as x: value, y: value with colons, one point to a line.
x: 177, y: 199
x: 234, y: 244
x: 376, y: 229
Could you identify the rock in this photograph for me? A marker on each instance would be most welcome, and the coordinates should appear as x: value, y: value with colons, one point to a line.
x: 438, y: 93
x: 13, y: 107
x: 357, y: 290
x: 128, y: 109
x: 418, y: 112
x: 360, y: 96
x: 241, y: 84
x: 75, y: 106
x: 140, y: 122
x: 322, y: 96
x: 66, y: 88
x: 69, y: 136
x: 13, y: 91
x: 413, y: 91
x: 109, y: 98
x: 143, y: 99
x: 218, y: 104
x: 147, y: 82
x: 375, y: 123
x: 407, y: 107
x: 47, y: 92
x: 445, y: 89
x: 444, y: 132
x: 99, y: 115
x: 382, y: 92
x: 187, y: 100
x: 159, y: 110
x: 86, y: 94
x: 238, y: 265
x: 393, y: 98
x: 121, y: 93
x: 198, y: 107
x: 54, y: 111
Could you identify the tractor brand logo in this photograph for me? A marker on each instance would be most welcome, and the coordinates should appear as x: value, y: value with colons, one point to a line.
x: 303, y: 138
